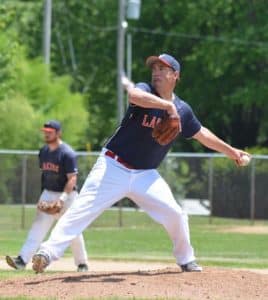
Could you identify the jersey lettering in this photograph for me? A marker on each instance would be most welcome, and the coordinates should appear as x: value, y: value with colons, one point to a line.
x: 150, y: 123
x: 55, y: 166
x: 133, y: 141
x: 48, y: 166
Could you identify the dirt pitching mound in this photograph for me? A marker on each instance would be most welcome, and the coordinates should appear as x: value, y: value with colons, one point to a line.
x: 166, y: 283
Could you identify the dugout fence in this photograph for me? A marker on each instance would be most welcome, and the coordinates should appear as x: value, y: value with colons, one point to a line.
x: 203, y: 183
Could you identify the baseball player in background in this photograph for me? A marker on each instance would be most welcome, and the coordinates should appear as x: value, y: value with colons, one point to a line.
x: 57, y: 160
x: 127, y: 166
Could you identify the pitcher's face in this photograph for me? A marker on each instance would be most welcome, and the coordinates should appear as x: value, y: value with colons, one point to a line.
x: 163, y: 77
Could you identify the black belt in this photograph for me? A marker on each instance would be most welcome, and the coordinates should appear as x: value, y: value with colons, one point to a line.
x: 119, y: 159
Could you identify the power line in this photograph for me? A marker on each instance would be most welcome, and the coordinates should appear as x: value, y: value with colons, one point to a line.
x: 220, y: 39
x: 211, y: 38
x: 61, y: 47
x: 88, y: 25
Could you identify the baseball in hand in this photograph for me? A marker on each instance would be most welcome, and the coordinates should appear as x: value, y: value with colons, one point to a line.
x: 245, y: 160
x: 126, y: 82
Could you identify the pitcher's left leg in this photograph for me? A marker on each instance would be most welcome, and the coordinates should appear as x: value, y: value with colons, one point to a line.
x: 150, y: 191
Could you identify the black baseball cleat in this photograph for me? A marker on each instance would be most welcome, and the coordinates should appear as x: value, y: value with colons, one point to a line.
x: 40, y: 262
x: 82, y: 268
x: 191, y: 267
x: 16, y: 262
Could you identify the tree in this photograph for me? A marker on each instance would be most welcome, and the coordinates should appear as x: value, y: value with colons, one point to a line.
x: 18, y: 124
x: 31, y: 93
x: 220, y: 44
x: 51, y: 98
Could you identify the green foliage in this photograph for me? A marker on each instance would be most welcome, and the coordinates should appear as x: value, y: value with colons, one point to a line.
x: 18, y: 124
x: 177, y: 173
x: 258, y: 150
x: 51, y: 97
x: 38, y: 95
x: 29, y: 91
x: 221, y: 45
x: 10, y: 54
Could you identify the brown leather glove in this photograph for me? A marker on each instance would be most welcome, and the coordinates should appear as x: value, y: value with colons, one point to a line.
x: 51, y: 207
x: 166, y: 130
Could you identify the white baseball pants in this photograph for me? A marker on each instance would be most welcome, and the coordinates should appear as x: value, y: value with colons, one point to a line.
x: 42, y: 224
x: 108, y: 182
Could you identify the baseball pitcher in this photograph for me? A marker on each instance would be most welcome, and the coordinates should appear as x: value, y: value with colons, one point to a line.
x: 127, y: 165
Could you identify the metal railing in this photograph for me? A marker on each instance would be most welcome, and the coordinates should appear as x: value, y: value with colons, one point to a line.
x: 230, y: 191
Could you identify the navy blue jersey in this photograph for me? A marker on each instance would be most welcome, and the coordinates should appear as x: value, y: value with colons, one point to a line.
x: 55, y: 166
x: 133, y: 141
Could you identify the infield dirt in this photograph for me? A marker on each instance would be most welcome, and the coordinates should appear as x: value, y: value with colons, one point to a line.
x: 141, y: 280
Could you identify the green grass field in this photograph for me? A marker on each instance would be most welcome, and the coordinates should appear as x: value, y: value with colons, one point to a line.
x: 140, y: 238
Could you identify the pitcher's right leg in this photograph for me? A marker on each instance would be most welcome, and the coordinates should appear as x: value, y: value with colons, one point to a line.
x: 106, y: 184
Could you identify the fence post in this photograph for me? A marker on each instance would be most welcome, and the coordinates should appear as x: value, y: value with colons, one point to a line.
x: 120, y: 213
x: 252, y: 191
x: 210, y: 187
x: 23, y: 189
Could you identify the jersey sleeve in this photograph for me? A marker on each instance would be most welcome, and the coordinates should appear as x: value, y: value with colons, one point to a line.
x: 144, y: 86
x: 70, y: 163
x: 190, y: 124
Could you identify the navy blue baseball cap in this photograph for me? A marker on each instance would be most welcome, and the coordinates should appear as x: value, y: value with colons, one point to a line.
x: 51, y: 126
x: 165, y: 59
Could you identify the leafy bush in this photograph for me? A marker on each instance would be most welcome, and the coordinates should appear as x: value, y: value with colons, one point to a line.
x: 18, y: 124
x: 52, y: 98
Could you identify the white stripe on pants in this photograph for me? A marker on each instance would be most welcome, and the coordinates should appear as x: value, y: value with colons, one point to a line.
x: 42, y: 224
x: 107, y: 183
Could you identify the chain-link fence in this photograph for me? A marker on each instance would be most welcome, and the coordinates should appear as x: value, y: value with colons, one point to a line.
x: 203, y: 184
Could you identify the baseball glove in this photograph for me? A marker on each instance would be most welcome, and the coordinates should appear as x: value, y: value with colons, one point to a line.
x: 51, y: 208
x: 166, y: 130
